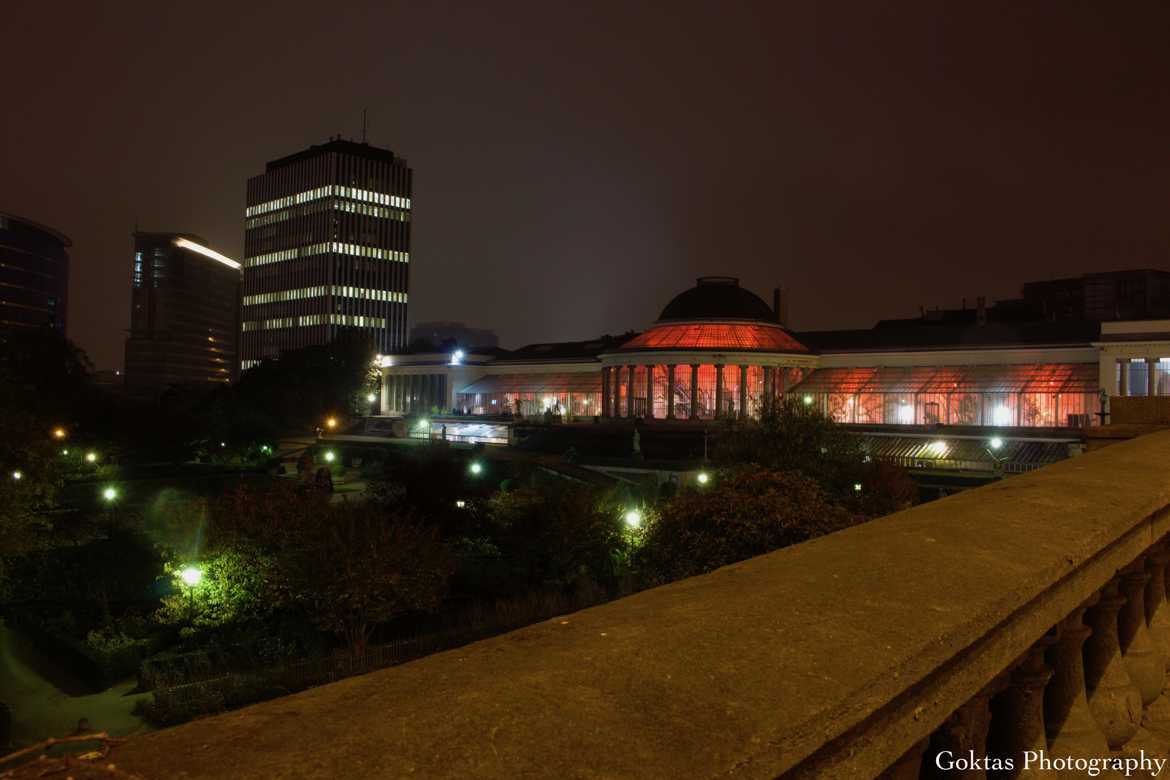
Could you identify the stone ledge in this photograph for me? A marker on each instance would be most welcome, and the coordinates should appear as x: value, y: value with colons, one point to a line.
x: 826, y: 658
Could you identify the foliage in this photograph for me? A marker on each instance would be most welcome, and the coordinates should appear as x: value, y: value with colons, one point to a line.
x: 348, y: 566
x: 553, y: 535
x: 790, y: 436
x: 742, y: 512
x: 235, y: 593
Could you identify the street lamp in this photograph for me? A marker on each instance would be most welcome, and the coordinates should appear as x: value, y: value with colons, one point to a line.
x: 703, y: 478
x: 110, y: 494
x: 191, y: 576
x: 329, y: 456
x: 59, y: 433
x: 18, y: 475
x: 634, y: 518
x: 331, y: 423
x: 91, y: 457
x: 372, y: 397
x: 476, y: 468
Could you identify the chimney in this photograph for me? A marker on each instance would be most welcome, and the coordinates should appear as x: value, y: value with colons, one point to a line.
x: 980, y: 310
x: 780, y: 306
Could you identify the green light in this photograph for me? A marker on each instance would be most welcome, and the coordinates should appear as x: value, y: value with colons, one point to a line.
x: 329, y: 456
x: 110, y: 493
x: 191, y: 576
x: 808, y: 399
x: 634, y: 518
x: 476, y: 468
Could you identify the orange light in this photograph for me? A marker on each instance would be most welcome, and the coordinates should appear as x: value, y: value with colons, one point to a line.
x: 58, y: 433
x: 331, y: 422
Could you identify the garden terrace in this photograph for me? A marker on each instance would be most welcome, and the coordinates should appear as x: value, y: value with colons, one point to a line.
x: 1027, y: 614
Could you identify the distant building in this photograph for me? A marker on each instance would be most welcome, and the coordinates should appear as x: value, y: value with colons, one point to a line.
x: 326, y: 249
x: 34, y: 274
x: 438, y: 334
x: 184, y: 313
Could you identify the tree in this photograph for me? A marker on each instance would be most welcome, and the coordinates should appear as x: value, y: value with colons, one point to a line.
x: 790, y: 436
x: 349, y: 567
x: 743, y: 512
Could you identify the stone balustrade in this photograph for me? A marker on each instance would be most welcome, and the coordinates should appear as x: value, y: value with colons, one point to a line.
x: 1027, y: 615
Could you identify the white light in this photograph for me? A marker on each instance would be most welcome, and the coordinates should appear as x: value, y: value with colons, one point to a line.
x: 460, y: 503
x: 456, y: 357
x: 385, y: 361
x: 1001, y: 416
x: 703, y: 478
x: 476, y: 468
x: 184, y: 243
x: 856, y: 487
x: 633, y: 518
x: 91, y: 457
x: 18, y: 475
x: 808, y: 400
x: 191, y: 576
x: 938, y: 447
x: 110, y: 493
x: 329, y: 456
x: 996, y: 443
x: 906, y: 414
x: 372, y: 397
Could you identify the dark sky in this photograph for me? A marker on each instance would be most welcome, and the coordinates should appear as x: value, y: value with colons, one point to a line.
x: 576, y: 164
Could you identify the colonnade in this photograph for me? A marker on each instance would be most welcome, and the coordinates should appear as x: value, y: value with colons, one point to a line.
x: 414, y: 393
x: 619, y: 398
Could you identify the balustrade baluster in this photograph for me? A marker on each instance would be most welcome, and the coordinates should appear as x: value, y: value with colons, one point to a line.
x: 1114, y: 701
x: 1068, y: 721
x: 1017, y: 714
x: 962, y: 734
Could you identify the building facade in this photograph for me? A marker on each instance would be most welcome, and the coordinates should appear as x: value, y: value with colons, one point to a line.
x: 326, y: 249
x: 34, y: 274
x: 184, y: 313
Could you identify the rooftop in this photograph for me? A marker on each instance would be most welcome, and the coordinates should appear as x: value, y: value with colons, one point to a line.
x: 918, y: 335
x: 336, y: 146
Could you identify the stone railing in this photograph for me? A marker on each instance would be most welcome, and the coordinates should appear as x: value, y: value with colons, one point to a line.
x: 1027, y: 615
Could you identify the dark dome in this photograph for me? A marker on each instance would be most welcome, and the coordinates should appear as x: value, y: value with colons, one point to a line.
x: 717, y: 298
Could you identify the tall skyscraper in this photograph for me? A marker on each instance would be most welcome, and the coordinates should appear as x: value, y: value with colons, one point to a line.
x: 184, y: 313
x: 326, y: 249
x: 34, y: 274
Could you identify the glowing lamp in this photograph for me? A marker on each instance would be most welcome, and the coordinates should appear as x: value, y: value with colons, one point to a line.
x: 938, y: 447
x: 91, y: 457
x: 331, y: 422
x: 329, y: 456
x: 110, y: 493
x: 856, y: 487
x: 58, y: 433
x: 996, y: 443
x: 191, y: 576
x: 634, y: 518
x: 456, y: 357
x: 703, y: 478
x: 372, y: 397
x: 807, y: 400
x: 18, y: 475
x: 476, y: 468
x: 460, y: 503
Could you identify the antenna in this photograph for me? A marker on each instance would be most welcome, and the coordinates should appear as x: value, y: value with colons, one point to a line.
x: 363, y: 125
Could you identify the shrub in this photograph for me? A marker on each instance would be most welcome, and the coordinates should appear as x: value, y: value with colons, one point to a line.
x: 743, y: 512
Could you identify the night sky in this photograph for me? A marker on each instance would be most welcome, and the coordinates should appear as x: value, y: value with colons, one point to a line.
x: 578, y: 164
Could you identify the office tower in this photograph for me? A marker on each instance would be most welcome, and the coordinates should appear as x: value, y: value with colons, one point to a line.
x: 326, y: 249
x: 184, y: 313
x: 34, y: 274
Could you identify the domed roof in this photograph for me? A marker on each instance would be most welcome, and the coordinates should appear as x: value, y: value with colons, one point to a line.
x: 717, y: 298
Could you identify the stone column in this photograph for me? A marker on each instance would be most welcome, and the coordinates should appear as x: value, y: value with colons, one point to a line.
x: 743, y: 410
x: 964, y: 731
x: 670, y: 392
x: 769, y: 385
x: 1123, y: 382
x: 1069, y: 723
x: 718, y: 391
x: 1147, y: 668
x: 1017, y: 714
x: 630, y: 392
x: 650, y: 392
x: 694, y: 391
x: 782, y: 382
x: 1115, y: 703
x: 1151, y: 376
x: 605, y: 391
x: 1157, y: 609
